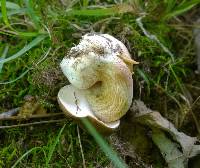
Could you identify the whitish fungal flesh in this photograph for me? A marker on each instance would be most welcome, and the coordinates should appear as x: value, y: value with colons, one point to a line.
x: 99, y: 69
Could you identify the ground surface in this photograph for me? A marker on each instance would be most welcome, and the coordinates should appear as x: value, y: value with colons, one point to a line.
x: 165, y: 79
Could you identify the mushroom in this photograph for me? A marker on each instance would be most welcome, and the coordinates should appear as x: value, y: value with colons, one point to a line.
x: 99, y: 69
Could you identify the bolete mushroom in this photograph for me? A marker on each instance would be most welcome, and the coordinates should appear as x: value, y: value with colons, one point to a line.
x: 99, y: 69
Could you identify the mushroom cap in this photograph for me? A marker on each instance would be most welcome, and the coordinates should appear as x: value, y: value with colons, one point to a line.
x: 99, y: 69
x: 73, y: 103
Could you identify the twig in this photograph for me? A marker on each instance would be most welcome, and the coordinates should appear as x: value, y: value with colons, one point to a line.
x: 33, y: 123
x: 193, y: 87
x: 79, y: 139
x: 29, y: 117
x: 153, y: 37
x: 194, y: 116
x: 9, y: 113
x: 197, y: 44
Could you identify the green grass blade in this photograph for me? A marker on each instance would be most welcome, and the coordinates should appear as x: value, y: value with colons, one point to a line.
x: 144, y: 76
x: 14, y: 12
x: 25, y: 154
x: 112, y: 155
x: 116, y: 9
x: 4, y: 13
x: 6, y: 21
x: 32, y: 14
x: 53, y: 146
x: 183, y: 7
x: 32, y: 44
x: 29, y: 69
x: 3, y: 57
x: 167, y: 93
x: 93, y: 12
x: 11, y: 5
x: 170, y: 5
x: 21, y: 34
x: 19, y: 77
x: 85, y: 3
x: 27, y: 34
x: 6, y: 33
x: 181, y: 87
